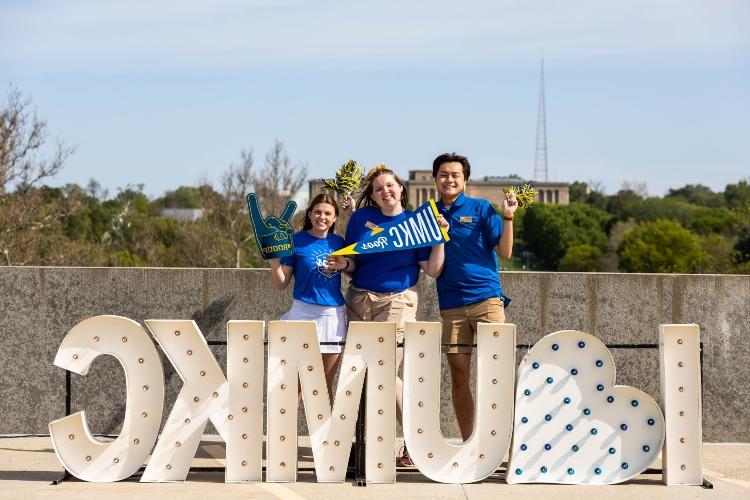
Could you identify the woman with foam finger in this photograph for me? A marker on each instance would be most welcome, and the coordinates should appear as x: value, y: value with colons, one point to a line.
x: 317, y: 285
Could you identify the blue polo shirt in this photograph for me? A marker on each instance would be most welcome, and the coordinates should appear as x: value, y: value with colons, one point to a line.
x: 313, y: 283
x: 470, y: 273
x: 381, y: 272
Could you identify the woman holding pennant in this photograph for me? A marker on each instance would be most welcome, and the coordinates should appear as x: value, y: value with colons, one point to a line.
x: 317, y: 286
x: 383, y: 286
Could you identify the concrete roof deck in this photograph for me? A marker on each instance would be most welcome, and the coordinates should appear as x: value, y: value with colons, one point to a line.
x: 28, y: 465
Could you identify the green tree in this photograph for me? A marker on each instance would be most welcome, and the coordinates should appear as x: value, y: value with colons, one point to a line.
x: 578, y: 191
x: 621, y: 203
x: 737, y: 196
x: 717, y: 255
x: 661, y: 246
x: 550, y: 230
x: 581, y: 258
x: 697, y: 194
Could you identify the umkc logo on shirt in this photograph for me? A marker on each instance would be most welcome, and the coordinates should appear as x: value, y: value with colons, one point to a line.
x: 559, y: 414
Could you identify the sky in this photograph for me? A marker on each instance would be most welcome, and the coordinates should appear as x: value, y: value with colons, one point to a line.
x: 169, y: 93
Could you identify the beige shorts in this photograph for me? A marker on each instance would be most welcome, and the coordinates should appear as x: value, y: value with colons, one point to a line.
x: 398, y: 307
x: 460, y: 323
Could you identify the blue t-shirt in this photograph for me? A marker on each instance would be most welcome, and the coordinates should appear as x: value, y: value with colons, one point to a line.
x: 384, y: 271
x: 312, y: 282
x: 470, y: 273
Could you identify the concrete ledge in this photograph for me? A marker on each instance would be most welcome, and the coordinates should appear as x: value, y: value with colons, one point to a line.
x: 42, y: 304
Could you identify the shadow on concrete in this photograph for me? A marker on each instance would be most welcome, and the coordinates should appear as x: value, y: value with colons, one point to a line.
x: 31, y: 475
x: 44, y: 450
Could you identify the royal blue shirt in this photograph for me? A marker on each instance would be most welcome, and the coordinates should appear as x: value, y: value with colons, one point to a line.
x: 384, y: 271
x: 470, y: 272
x: 313, y: 283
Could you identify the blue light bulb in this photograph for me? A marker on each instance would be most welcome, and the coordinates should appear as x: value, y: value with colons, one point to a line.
x: 574, y: 372
x: 612, y: 451
x: 535, y: 365
x: 527, y: 392
x: 571, y: 471
x: 555, y: 347
x: 599, y: 363
x: 598, y: 471
x: 524, y: 447
x: 646, y: 448
x: 547, y: 446
x: 549, y: 380
x: 543, y: 469
x: 524, y: 420
x: 581, y: 344
x: 569, y: 427
x: 594, y: 431
x: 624, y: 427
x: 586, y: 411
x: 518, y: 472
x: 566, y: 400
x: 548, y: 417
x: 624, y: 465
x: 634, y: 403
x: 651, y: 421
x: 575, y: 448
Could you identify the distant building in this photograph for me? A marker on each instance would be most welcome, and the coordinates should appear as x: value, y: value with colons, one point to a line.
x: 183, y: 214
x: 422, y: 187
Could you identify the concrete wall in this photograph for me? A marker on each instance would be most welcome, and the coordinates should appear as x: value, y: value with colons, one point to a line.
x: 40, y: 305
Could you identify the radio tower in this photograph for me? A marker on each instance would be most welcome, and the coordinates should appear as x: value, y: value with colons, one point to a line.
x: 540, y: 154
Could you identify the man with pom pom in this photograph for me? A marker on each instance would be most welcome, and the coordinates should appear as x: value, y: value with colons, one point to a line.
x: 469, y: 289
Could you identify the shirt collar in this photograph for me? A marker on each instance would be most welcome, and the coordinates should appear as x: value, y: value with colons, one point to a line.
x: 459, y: 201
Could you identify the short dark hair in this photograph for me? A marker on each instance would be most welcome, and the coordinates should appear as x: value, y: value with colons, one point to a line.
x: 449, y: 158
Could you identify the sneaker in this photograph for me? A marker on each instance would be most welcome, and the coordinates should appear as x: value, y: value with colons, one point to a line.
x: 404, y: 460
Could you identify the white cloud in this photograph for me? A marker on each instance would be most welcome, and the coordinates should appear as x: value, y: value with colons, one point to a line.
x: 144, y: 35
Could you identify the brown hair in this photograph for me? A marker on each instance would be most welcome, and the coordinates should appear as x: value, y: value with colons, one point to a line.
x: 365, y: 197
x: 321, y: 198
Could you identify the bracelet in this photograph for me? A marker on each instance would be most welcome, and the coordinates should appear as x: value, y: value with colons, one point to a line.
x: 509, y: 219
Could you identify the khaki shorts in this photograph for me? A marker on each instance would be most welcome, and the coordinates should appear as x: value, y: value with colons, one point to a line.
x: 398, y: 307
x: 460, y: 323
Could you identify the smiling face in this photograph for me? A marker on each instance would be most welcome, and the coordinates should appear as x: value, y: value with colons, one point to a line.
x: 386, y: 192
x: 322, y: 216
x: 450, y: 181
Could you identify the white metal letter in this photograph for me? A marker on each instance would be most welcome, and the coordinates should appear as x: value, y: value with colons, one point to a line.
x: 245, y: 374
x: 80, y: 453
x: 572, y: 424
x: 293, y: 351
x: 202, y: 397
x: 478, y: 457
x: 679, y: 359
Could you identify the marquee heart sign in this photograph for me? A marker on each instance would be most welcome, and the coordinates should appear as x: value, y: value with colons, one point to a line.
x: 572, y: 424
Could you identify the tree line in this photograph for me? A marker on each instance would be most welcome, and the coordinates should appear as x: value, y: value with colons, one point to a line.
x: 690, y: 230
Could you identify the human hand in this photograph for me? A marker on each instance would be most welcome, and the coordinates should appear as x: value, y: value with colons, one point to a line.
x: 273, y: 234
x: 347, y: 204
x: 338, y: 262
x: 442, y: 223
x: 509, y: 205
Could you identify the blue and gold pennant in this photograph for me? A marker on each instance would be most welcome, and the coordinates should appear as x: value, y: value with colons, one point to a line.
x: 420, y: 229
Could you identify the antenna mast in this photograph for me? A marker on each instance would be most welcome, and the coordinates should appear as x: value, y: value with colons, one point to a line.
x: 540, y: 154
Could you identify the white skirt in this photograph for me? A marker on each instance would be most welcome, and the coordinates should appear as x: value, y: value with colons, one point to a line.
x: 330, y: 321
